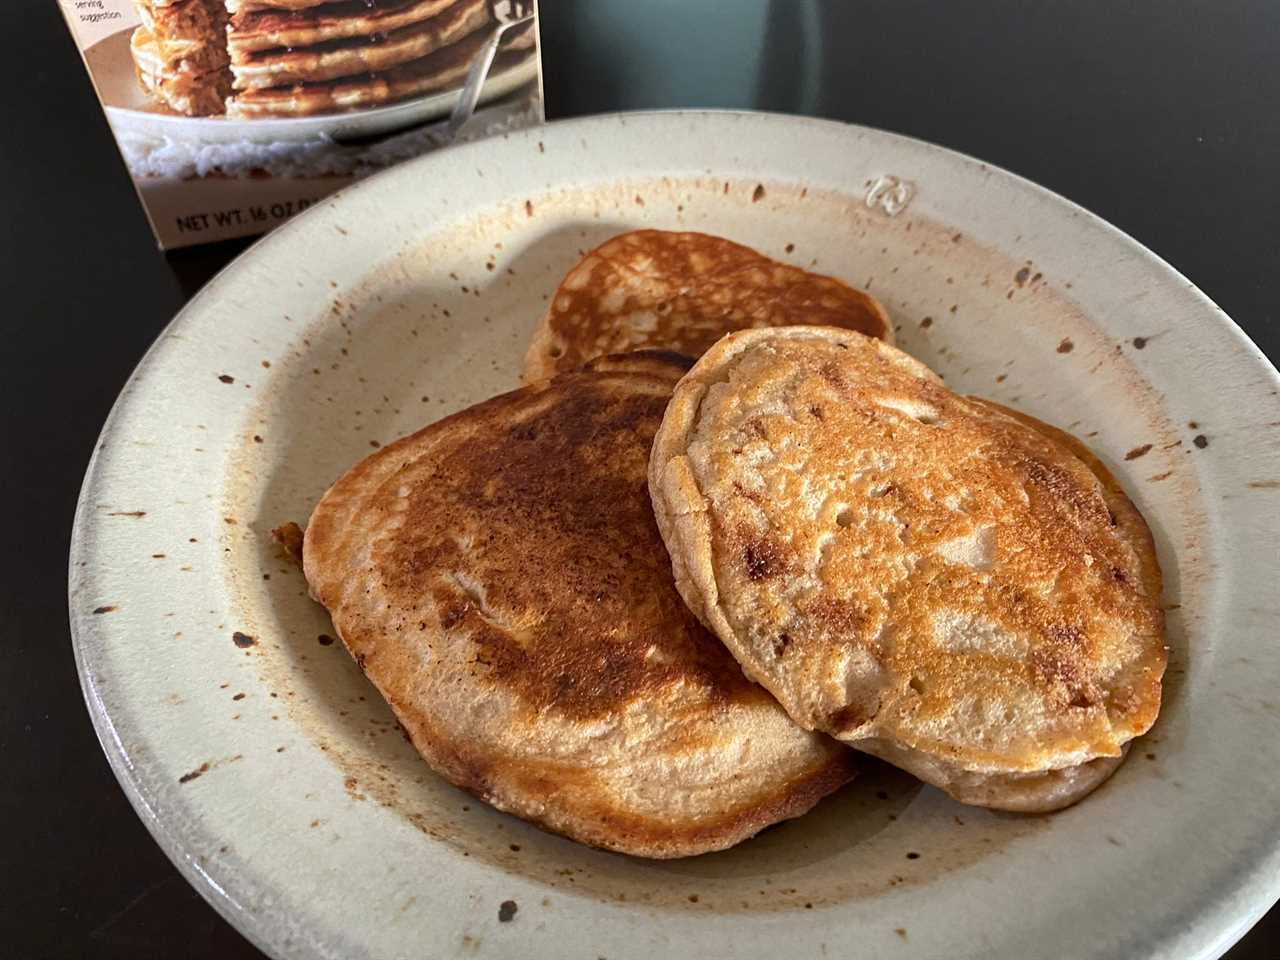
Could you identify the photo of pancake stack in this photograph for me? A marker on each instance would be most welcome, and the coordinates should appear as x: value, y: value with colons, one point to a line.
x: 288, y: 58
x: 233, y: 116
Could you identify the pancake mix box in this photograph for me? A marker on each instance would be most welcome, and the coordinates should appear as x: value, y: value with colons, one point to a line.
x: 233, y: 115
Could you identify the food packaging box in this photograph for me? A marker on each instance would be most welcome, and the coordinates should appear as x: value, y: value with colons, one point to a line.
x: 233, y: 115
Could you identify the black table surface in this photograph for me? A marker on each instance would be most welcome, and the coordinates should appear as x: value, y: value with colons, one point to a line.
x: 1161, y: 116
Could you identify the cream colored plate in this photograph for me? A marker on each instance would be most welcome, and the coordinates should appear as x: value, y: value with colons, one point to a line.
x: 130, y: 110
x: 276, y: 779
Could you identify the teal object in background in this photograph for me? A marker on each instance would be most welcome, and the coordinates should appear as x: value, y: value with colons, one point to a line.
x: 748, y: 54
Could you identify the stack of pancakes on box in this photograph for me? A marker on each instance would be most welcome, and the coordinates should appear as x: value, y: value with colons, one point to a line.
x: 180, y: 54
x: 648, y: 599
x: 286, y: 58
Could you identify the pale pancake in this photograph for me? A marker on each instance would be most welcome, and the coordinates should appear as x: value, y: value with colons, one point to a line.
x: 499, y: 577
x: 684, y: 291
x: 266, y: 29
x: 956, y: 588
x: 190, y: 57
x: 180, y: 82
x: 443, y: 70
x: 199, y: 21
x: 349, y: 56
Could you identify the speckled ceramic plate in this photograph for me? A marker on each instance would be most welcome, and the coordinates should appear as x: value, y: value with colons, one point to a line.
x: 272, y: 774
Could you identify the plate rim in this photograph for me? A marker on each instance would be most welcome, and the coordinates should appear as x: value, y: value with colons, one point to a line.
x: 1229, y: 912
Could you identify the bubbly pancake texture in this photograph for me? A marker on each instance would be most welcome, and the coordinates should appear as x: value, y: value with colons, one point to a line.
x: 655, y: 289
x: 500, y: 579
x: 934, y: 579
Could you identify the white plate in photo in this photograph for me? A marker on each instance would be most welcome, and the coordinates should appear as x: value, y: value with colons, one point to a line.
x: 276, y: 778
x: 131, y: 110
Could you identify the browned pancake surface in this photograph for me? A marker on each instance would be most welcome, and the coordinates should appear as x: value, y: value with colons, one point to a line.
x: 500, y: 578
x: 932, y: 578
x: 683, y: 292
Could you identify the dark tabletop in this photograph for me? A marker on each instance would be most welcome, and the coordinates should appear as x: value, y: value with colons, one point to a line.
x: 1160, y: 116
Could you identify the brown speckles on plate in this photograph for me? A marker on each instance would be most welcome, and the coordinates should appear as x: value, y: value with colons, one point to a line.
x: 1137, y: 452
x: 325, y: 640
x: 135, y: 514
x: 758, y: 193
x: 1065, y: 345
x: 528, y: 208
x: 926, y: 323
x: 1200, y: 440
x: 1020, y: 278
x: 1139, y: 343
x: 226, y: 378
x: 1156, y: 478
x: 242, y: 640
x: 901, y: 931
x: 238, y: 696
x: 1264, y: 484
x: 507, y: 911
x: 193, y: 774
x: 105, y: 609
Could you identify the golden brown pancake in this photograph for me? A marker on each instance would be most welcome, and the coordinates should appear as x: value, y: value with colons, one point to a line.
x: 445, y: 69
x: 499, y: 577
x: 936, y: 580
x: 358, y: 55
x: 655, y: 289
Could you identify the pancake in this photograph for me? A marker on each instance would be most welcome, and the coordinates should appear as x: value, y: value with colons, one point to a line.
x: 347, y: 56
x: 949, y: 585
x: 255, y: 30
x: 499, y: 577
x: 239, y: 6
x: 683, y: 292
x: 193, y: 21
x: 442, y: 70
x: 194, y: 83
x: 190, y: 57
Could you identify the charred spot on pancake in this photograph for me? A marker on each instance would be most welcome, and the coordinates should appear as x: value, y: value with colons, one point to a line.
x: 763, y: 559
